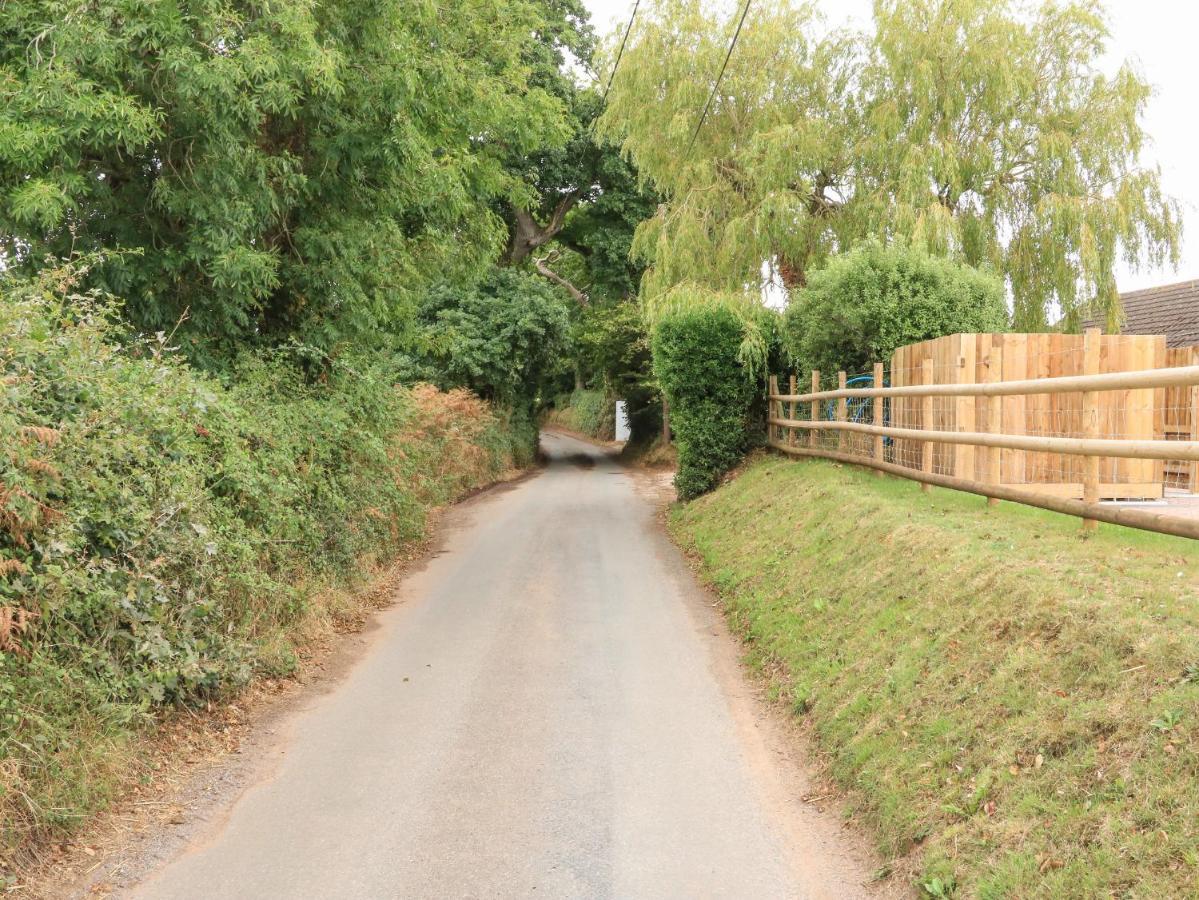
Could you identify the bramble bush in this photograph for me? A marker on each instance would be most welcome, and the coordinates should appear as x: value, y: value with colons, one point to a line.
x: 701, y: 363
x: 158, y: 525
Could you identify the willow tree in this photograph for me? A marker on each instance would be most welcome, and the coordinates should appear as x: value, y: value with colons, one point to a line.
x: 976, y: 128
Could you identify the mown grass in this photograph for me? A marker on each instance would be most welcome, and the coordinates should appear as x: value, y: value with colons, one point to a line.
x: 1011, y: 705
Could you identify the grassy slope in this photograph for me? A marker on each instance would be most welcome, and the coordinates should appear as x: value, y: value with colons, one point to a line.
x: 1013, y: 703
x: 589, y: 413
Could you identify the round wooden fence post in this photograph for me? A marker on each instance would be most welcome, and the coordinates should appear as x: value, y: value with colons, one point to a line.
x: 926, y: 416
x: 1090, y: 421
x: 791, y: 389
x: 877, y: 409
x: 842, y: 410
x: 813, y: 436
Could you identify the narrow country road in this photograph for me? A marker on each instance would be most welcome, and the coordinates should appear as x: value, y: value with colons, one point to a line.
x: 545, y: 713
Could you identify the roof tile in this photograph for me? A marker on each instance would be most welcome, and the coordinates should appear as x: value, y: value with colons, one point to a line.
x: 1172, y: 310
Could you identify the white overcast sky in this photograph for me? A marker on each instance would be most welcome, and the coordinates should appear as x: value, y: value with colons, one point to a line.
x: 1158, y: 36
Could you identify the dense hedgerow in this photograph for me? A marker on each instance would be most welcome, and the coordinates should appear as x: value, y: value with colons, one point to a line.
x: 157, y: 524
x: 588, y: 412
x: 699, y: 361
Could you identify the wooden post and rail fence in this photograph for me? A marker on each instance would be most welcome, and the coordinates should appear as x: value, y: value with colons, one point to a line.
x: 1044, y: 441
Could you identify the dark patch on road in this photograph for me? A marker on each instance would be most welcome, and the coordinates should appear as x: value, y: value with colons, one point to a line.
x: 582, y: 460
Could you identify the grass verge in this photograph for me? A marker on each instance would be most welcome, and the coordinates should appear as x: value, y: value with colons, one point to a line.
x: 1011, y: 707
x: 590, y: 413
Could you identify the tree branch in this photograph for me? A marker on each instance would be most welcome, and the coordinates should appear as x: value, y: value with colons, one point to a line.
x: 541, y: 266
x: 528, y: 234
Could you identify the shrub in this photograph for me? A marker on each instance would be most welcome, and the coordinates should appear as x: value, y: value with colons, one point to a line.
x: 158, y: 526
x: 864, y: 304
x: 588, y: 412
x: 699, y: 361
x: 504, y: 339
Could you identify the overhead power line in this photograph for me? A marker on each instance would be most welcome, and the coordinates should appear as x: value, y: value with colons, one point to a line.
x: 620, y: 52
x: 716, y: 85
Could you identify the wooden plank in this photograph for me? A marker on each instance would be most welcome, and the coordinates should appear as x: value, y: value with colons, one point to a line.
x: 965, y: 408
x: 994, y: 455
x: 1014, y: 363
x: 877, y: 409
x: 1090, y: 421
x: 926, y: 419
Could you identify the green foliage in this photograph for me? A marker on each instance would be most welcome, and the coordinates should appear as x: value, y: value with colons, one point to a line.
x: 592, y: 413
x: 601, y: 229
x: 157, y: 525
x: 503, y: 338
x: 980, y: 680
x: 862, y: 305
x: 980, y: 129
x: 698, y: 361
x: 306, y: 167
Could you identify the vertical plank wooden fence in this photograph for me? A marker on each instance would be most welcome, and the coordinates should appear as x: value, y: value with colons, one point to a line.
x: 1058, y: 421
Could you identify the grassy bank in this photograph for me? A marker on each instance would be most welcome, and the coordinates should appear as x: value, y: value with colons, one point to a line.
x: 167, y: 536
x: 590, y: 413
x: 1012, y: 708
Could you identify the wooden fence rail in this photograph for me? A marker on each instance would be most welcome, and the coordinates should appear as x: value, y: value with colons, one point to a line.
x: 1095, y: 410
x: 1180, y: 376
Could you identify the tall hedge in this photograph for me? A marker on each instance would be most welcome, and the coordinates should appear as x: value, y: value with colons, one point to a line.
x: 698, y: 361
x: 159, y: 527
x: 862, y: 305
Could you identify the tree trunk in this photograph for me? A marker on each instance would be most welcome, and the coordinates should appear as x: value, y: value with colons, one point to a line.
x: 526, y: 234
x: 665, y: 420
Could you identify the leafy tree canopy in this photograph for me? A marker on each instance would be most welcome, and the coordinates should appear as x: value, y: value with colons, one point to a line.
x: 980, y: 129
x: 302, y: 166
x: 503, y: 338
x: 863, y: 305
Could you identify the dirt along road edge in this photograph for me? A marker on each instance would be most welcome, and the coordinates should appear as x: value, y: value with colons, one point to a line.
x: 820, y: 856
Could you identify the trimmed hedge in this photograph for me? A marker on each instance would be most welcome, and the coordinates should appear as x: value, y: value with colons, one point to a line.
x: 697, y: 359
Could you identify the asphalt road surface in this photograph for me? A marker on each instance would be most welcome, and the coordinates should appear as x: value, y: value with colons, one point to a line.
x: 549, y: 711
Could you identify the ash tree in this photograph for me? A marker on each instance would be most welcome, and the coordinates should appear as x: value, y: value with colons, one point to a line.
x: 984, y: 130
x: 298, y: 169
